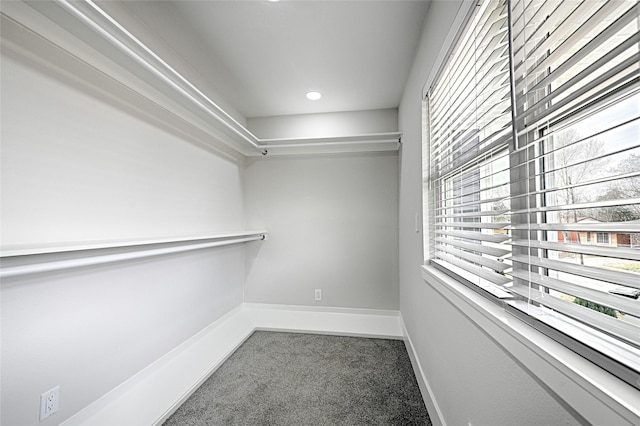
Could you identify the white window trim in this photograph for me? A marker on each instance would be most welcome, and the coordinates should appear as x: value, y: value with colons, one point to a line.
x: 592, y: 392
x: 463, y: 14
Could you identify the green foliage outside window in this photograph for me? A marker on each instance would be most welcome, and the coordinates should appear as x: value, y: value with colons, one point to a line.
x: 596, y: 307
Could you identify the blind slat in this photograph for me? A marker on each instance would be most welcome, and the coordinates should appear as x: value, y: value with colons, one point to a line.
x: 606, y: 251
x: 613, y: 277
x: 480, y: 248
x: 578, y: 206
x: 622, y: 227
x: 493, y: 278
x: 445, y: 206
x: 603, y: 323
x: 473, y: 258
x: 621, y: 303
x: 478, y: 225
x: 478, y: 214
x: 493, y: 238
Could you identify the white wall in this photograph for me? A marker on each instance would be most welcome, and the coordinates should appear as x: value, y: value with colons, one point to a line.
x: 89, y: 330
x: 473, y: 380
x: 332, y: 223
x: 79, y: 165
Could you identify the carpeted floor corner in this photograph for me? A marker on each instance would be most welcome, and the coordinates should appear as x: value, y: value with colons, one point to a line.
x: 279, y: 378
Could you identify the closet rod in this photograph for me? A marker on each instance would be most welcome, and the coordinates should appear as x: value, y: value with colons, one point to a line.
x: 14, y: 271
x: 203, y: 103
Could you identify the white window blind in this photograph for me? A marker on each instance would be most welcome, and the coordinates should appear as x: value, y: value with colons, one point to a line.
x: 534, y: 178
x: 576, y: 172
x: 470, y: 132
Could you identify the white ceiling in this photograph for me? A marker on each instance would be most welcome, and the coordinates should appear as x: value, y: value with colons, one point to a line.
x: 263, y: 57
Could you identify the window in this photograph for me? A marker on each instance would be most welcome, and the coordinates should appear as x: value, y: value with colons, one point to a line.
x: 533, y: 135
x: 470, y: 131
x: 603, y: 238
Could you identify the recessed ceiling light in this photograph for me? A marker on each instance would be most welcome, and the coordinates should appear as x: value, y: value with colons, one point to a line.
x: 314, y: 96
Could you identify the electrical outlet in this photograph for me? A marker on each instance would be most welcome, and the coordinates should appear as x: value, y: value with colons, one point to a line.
x: 49, y: 402
x: 318, y: 295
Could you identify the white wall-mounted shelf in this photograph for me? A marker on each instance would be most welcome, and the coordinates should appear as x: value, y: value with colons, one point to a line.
x: 375, y: 142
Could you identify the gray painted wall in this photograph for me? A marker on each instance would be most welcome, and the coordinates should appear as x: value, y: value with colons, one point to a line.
x: 332, y: 223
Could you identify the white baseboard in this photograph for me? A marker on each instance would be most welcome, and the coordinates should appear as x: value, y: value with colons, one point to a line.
x: 151, y: 396
x: 337, y: 321
x: 435, y: 414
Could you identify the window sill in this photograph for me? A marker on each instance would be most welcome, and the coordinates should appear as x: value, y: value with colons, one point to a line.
x: 598, y: 396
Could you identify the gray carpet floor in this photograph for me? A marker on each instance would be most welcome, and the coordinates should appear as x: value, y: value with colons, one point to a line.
x: 306, y: 379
